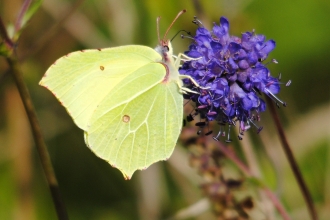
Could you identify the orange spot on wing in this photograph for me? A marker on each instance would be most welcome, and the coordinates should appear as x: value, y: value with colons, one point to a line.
x: 126, y: 118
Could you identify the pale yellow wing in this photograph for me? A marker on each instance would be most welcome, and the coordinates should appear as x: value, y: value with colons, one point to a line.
x: 82, y: 79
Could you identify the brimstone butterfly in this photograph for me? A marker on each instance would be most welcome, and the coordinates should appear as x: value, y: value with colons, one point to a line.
x: 128, y: 100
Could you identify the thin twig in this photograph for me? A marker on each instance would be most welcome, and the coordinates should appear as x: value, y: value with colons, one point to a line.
x: 276, y: 203
x: 4, y: 35
x: 232, y: 156
x: 52, y: 31
x: 292, y: 161
x: 39, y: 141
x: 24, y: 8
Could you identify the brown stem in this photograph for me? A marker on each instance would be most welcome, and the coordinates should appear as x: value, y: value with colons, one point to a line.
x: 232, y: 156
x: 39, y: 142
x: 292, y: 161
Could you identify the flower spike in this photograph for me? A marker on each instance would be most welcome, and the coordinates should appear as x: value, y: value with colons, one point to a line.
x: 231, y: 71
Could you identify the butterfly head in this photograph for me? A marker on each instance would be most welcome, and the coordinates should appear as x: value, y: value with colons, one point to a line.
x: 165, y: 50
x: 164, y: 47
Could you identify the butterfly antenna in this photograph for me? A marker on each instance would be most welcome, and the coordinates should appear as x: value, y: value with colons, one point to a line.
x: 179, y: 14
x: 158, y: 19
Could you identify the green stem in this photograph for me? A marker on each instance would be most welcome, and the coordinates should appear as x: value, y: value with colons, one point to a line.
x: 39, y: 141
x: 292, y: 161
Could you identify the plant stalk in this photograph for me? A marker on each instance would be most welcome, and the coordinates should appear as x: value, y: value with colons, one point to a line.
x: 293, y: 164
x: 39, y: 141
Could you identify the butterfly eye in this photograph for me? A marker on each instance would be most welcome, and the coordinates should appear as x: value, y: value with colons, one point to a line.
x: 166, y: 48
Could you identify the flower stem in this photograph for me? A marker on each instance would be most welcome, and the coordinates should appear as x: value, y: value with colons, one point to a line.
x: 292, y: 161
x: 39, y: 141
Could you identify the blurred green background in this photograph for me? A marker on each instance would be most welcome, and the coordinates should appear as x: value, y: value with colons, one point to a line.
x: 90, y: 187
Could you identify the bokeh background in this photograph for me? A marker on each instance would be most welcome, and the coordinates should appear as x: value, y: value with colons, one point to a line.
x: 90, y: 187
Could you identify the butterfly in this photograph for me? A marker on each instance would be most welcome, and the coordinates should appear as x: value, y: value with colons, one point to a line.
x: 128, y: 100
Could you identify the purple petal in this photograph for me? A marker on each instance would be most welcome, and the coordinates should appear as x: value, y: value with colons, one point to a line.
x: 224, y: 23
x: 203, y: 40
x: 242, y: 76
x: 246, y: 103
x: 193, y: 54
x: 233, y: 66
x: 274, y: 88
x: 242, y: 54
x: 266, y: 48
x: 202, y: 31
x: 262, y: 106
x: 252, y: 58
x: 243, y: 64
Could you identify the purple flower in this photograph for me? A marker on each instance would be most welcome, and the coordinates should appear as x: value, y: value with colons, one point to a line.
x: 231, y: 70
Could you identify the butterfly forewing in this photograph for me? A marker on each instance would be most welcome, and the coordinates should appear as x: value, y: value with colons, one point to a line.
x: 81, y: 80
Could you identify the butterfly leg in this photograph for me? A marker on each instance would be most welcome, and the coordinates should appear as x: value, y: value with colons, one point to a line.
x: 193, y: 81
x: 180, y: 84
x: 183, y: 89
x: 186, y: 90
x: 184, y: 58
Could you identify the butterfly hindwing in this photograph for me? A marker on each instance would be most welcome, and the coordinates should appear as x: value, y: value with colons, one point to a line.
x: 133, y: 128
